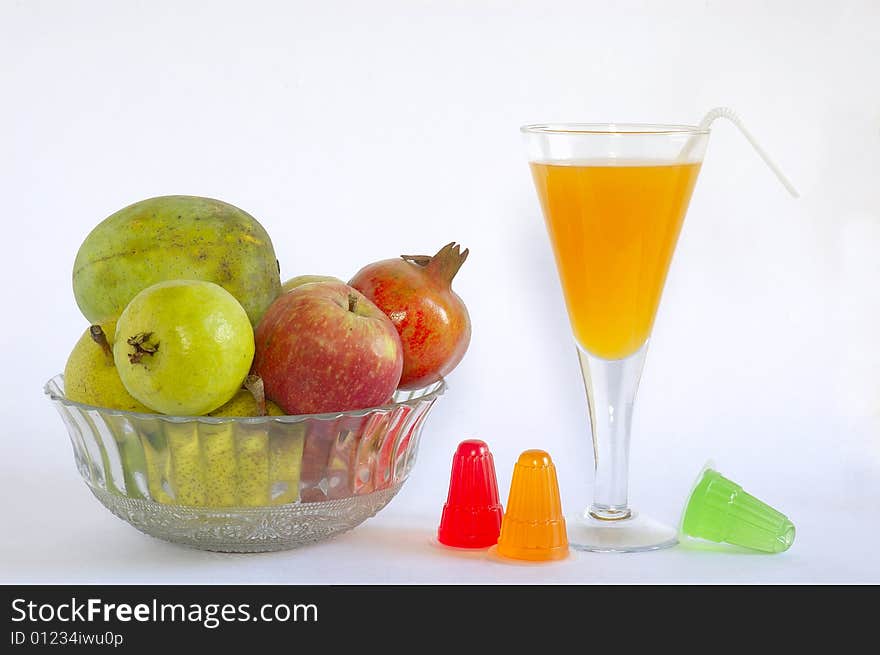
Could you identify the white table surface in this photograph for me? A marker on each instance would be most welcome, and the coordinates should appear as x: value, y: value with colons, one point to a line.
x: 83, y: 543
x: 395, y: 547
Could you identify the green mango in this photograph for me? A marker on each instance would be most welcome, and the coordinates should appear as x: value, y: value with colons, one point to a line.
x: 175, y: 237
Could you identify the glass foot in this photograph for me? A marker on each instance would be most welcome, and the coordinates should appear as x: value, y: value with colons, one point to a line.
x: 630, y: 535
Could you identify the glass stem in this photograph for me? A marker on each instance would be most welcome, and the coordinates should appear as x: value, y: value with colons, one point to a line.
x: 611, y: 386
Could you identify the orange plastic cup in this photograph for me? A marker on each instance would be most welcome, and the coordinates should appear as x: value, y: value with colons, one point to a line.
x: 533, y: 527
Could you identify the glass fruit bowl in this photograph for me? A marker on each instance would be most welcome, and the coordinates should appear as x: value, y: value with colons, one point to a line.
x: 246, y: 484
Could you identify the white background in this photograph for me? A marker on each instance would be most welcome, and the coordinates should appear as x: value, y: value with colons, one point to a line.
x: 356, y: 131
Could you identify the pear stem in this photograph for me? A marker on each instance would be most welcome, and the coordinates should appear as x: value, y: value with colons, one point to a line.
x: 254, y: 384
x: 98, y: 336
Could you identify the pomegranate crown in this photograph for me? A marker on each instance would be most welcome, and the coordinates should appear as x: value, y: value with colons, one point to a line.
x: 445, y: 263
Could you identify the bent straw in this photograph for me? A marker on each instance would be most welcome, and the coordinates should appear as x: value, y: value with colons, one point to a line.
x: 729, y: 114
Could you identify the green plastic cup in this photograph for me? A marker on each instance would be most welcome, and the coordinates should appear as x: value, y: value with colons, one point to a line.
x: 719, y: 510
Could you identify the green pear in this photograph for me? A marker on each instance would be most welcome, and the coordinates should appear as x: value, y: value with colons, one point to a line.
x: 91, y: 378
x: 243, y: 403
x: 300, y: 280
x: 235, y: 465
x: 90, y: 375
x: 158, y: 460
x: 186, y: 473
x: 269, y: 458
x: 175, y: 237
x: 244, y: 471
x: 226, y: 461
x: 285, y: 461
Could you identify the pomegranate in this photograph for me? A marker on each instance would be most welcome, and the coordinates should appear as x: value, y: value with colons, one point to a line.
x: 415, y: 292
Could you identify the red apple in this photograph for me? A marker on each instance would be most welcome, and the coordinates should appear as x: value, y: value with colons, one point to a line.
x: 323, y: 347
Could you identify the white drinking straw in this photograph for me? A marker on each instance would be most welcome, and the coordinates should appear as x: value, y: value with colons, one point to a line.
x: 729, y: 114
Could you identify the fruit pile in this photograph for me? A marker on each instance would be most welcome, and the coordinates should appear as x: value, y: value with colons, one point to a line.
x: 189, y: 317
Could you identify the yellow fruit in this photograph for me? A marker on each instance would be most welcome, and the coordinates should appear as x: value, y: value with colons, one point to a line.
x: 243, y: 403
x: 240, y: 471
x: 90, y: 376
x: 300, y: 280
x: 234, y: 465
x: 285, y: 462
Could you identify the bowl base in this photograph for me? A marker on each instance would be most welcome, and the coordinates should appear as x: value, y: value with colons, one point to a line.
x: 246, y: 529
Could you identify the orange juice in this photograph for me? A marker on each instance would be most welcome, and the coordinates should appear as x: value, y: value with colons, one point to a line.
x: 613, y: 226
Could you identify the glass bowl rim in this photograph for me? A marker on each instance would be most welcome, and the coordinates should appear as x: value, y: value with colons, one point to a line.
x: 613, y: 129
x: 427, y: 393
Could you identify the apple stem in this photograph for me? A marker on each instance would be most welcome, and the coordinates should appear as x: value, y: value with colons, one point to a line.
x: 352, y: 302
x: 98, y: 336
x: 445, y: 264
x: 254, y: 384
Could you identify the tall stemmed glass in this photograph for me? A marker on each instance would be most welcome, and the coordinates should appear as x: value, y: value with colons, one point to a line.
x: 614, y: 198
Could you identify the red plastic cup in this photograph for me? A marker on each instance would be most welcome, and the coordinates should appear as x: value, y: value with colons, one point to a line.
x: 472, y: 513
